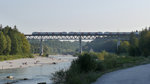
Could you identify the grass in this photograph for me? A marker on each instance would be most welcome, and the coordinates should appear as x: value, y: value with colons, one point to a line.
x: 90, y: 66
x: 12, y: 57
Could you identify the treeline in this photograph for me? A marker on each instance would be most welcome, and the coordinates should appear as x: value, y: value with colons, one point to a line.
x: 137, y: 45
x: 12, y: 42
x: 55, y: 46
x: 99, y: 45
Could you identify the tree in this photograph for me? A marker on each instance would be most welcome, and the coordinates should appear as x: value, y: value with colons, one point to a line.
x: 2, y: 43
x: 124, y: 47
x: 99, y: 45
x: 25, y: 44
x: 6, y: 30
x: 134, y: 45
x: 14, y: 47
x: 46, y: 50
x: 13, y: 42
x: 8, y: 46
x: 1, y: 27
x: 144, y: 43
x: 15, y: 28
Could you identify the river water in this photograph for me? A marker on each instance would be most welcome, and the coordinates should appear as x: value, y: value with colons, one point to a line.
x: 35, y: 74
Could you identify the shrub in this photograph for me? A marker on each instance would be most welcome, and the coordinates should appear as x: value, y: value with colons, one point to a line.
x: 88, y: 67
x: 100, y: 66
x: 86, y: 62
x: 101, y: 56
x: 75, y: 75
x: 59, y: 77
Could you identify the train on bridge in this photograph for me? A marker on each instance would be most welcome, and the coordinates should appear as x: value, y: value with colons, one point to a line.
x: 83, y: 33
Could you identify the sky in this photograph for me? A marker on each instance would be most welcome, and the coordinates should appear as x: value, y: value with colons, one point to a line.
x: 75, y: 15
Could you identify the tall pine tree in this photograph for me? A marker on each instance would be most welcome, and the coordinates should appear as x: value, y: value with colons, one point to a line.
x: 3, y: 44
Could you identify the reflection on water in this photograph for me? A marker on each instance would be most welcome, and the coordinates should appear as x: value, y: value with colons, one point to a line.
x: 35, y: 74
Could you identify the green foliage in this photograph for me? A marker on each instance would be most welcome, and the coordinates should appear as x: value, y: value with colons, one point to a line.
x: 76, y: 74
x: 134, y: 46
x: 3, y: 44
x: 25, y: 44
x: 12, y: 57
x: 144, y: 42
x: 98, y: 45
x: 58, y: 77
x: 85, y: 62
x: 55, y: 46
x: 46, y: 50
x: 139, y: 46
x: 13, y: 43
x: 100, y: 66
x: 8, y: 44
x: 124, y: 47
x: 87, y: 68
x: 102, y: 55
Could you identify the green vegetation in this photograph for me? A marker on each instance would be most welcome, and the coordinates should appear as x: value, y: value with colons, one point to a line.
x: 99, y: 45
x: 89, y: 66
x: 143, y: 42
x: 12, y: 57
x: 13, y: 44
x: 137, y: 45
x: 124, y: 47
x: 55, y: 46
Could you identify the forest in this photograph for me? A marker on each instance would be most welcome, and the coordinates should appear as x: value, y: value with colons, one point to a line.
x: 135, y: 46
x: 13, y: 44
x: 99, y: 45
x: 55, y: 46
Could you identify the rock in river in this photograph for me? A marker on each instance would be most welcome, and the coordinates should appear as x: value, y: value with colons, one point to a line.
x: 42, y: 83
x: 10, y: 77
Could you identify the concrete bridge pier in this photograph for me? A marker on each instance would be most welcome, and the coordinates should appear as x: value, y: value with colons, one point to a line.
x: 41, y: 46
x: 80, y: 44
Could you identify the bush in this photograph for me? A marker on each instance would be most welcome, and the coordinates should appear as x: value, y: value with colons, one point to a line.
x: 88, y: 67
x: 102, y: 55
x: 86, y: 62
x: 100, y: 66
x: 59, y: 77
x: 75, y: 75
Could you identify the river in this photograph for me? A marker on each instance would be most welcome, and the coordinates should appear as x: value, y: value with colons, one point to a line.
x: 35, y: 74
x: 134, y: 75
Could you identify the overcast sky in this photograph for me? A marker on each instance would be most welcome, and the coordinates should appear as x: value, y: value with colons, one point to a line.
x: 75, y: 15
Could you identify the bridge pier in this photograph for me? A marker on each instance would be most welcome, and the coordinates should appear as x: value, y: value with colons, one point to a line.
x: 41, y: 46
x: 80, y: 44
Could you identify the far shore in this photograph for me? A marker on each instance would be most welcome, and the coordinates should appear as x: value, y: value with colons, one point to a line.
x: 29, y: 62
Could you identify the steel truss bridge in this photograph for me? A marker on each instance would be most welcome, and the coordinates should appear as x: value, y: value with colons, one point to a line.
x: 77, y: 36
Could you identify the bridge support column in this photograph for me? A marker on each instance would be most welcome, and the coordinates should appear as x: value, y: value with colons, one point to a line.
x: 41, y: 46
x: 80, y: 44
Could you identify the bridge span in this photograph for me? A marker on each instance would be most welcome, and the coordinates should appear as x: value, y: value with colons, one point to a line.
x: 78, y: 36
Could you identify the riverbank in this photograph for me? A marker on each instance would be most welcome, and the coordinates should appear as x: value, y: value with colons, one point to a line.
x: 89, y: 67
x: 29, y: 62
